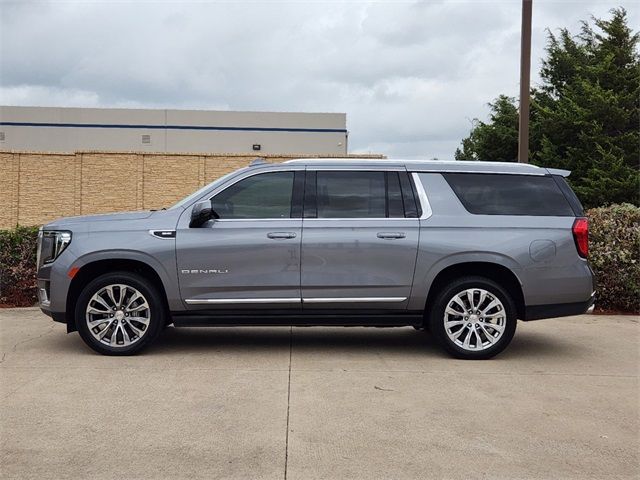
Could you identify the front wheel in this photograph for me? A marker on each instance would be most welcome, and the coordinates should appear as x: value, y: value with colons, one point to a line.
x: 119, y: 313
x: 473, y: 318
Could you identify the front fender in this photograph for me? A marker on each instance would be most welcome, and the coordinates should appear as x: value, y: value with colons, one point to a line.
x: 165, y: 268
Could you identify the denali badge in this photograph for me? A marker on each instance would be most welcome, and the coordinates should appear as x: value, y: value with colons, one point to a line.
x: 209, y: 270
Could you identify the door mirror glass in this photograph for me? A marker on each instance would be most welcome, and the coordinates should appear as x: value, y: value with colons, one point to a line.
x: 201, y: 213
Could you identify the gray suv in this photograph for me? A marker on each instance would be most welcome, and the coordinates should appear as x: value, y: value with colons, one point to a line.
x: 459, y: 249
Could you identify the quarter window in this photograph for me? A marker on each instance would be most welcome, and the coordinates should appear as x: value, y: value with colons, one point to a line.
x: 267, y: 195
x: 497, y: 194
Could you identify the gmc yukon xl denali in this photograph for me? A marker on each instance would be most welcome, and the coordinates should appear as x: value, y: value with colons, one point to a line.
x: 459, y: 249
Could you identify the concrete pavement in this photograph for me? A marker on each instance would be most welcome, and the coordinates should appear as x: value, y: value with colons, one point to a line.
x: 312, y: 403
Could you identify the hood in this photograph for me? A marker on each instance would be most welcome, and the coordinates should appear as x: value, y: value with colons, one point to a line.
x: 107, y: 217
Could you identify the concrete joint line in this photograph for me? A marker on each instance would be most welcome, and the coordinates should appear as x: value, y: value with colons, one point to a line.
x: 286, y: 441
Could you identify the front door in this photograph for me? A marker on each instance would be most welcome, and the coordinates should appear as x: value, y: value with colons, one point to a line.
x: 250, y: 256
x: 360, y: 240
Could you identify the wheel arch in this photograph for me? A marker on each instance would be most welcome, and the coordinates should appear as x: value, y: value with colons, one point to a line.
x: 500, y: 274
x: 98, y: 267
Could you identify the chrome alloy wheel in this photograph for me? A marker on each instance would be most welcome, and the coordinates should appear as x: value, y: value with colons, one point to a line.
x: 118, y: 315
x: 474, y: 319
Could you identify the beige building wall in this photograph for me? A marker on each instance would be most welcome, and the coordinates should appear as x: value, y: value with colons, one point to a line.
x: 58, y: 129
x: 36, y: 188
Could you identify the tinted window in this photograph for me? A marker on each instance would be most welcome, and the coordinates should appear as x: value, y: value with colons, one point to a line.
x: 267, y: 195
x: 494, y: 194
x: 570, y: 195
x: 411, y: 209
x: 351, y: 194
x: 395, y: 208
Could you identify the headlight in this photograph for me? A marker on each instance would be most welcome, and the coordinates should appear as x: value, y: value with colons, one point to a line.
x: 51, y: 243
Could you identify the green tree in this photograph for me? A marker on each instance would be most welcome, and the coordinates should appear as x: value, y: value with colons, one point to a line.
x: 493, y: 140
x: 585, y: 115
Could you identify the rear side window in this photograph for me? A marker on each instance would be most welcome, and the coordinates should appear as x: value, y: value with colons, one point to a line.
x: 499, y: 194
x: 351, y: 195
x: 358, y: 194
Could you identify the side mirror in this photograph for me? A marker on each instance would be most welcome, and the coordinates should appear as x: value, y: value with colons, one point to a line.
x: 201, y: 213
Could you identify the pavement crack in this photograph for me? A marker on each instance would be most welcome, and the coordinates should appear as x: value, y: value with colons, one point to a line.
x: 15, y: 346
x: 286, y: 442
x: 383, y: 389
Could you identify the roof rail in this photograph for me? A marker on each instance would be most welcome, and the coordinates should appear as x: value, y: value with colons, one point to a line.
x: 257, y: 161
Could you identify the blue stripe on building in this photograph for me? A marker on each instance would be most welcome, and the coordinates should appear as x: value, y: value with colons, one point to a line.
x: 172, y: 127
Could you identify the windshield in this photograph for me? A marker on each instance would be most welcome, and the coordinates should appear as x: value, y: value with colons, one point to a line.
x: 185, y: 201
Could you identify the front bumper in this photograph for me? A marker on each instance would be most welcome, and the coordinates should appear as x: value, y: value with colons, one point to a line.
x: 59, y: 317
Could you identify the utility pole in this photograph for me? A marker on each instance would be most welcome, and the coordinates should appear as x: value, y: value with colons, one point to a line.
x: 525, y: 80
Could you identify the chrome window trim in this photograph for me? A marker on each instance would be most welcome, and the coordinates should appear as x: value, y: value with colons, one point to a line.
x: 360, y: 219
x: 224, y: 220
x: 422, y: 197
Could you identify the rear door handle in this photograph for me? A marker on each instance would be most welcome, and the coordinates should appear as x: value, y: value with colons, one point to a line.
x: 281, y: 235
x: 391, y: 235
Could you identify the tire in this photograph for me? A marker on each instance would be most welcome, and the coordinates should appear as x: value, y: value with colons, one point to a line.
x: 126, y: 313
x: 471, y: 335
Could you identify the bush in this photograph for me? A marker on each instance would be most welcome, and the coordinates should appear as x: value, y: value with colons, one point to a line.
x: 18, y: 267
x: 614, y: 253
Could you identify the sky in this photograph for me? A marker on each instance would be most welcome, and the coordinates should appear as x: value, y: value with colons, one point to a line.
x: 410, y: 75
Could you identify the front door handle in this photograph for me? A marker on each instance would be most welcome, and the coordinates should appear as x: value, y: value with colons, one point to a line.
x: 391, y: 235
x: 281, y: 235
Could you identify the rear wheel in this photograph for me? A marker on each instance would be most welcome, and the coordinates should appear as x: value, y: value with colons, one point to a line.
x: 473, y: 318
x: 119, y: 313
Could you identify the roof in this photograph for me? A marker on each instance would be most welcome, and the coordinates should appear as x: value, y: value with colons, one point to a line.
x: 434, y: 165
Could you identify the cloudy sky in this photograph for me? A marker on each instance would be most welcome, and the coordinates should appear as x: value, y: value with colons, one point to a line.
x: 409, y: 75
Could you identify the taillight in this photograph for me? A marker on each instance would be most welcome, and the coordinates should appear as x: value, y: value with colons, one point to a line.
x: 580, y: 231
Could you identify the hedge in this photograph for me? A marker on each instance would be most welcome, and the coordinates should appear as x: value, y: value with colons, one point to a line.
x: 614, y: 252
x: 18, y: 267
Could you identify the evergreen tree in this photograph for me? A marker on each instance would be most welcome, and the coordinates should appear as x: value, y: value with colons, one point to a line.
x: 585, y: 116
x: 493, y: 140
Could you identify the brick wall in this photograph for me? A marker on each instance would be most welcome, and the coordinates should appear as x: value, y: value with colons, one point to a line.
x: 38, y: 187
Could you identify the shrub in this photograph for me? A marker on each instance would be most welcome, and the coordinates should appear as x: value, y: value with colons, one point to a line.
x: 18, y: 267
x: 614, y: 253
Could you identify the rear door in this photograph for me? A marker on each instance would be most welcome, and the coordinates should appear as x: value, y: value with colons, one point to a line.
x: 250, y: 257
x: 360, y: 239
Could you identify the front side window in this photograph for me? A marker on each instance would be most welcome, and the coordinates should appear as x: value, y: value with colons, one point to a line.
x: 267, y: 195
x: 351, y: 194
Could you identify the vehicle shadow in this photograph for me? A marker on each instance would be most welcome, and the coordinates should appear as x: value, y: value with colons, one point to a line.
x: 404, y: 340
x: 265, y: 339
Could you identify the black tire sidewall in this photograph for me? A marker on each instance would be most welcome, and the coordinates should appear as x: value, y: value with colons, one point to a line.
x: 138, y: 282
x: 436, y: 317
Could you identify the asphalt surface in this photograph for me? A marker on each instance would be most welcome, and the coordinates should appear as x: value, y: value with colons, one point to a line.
x: 308, y: 403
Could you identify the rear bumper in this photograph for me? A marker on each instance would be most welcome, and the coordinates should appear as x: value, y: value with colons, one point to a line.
x: 538, y: 312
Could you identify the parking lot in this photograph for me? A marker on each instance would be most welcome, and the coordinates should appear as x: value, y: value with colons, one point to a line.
x: 306, y: 403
